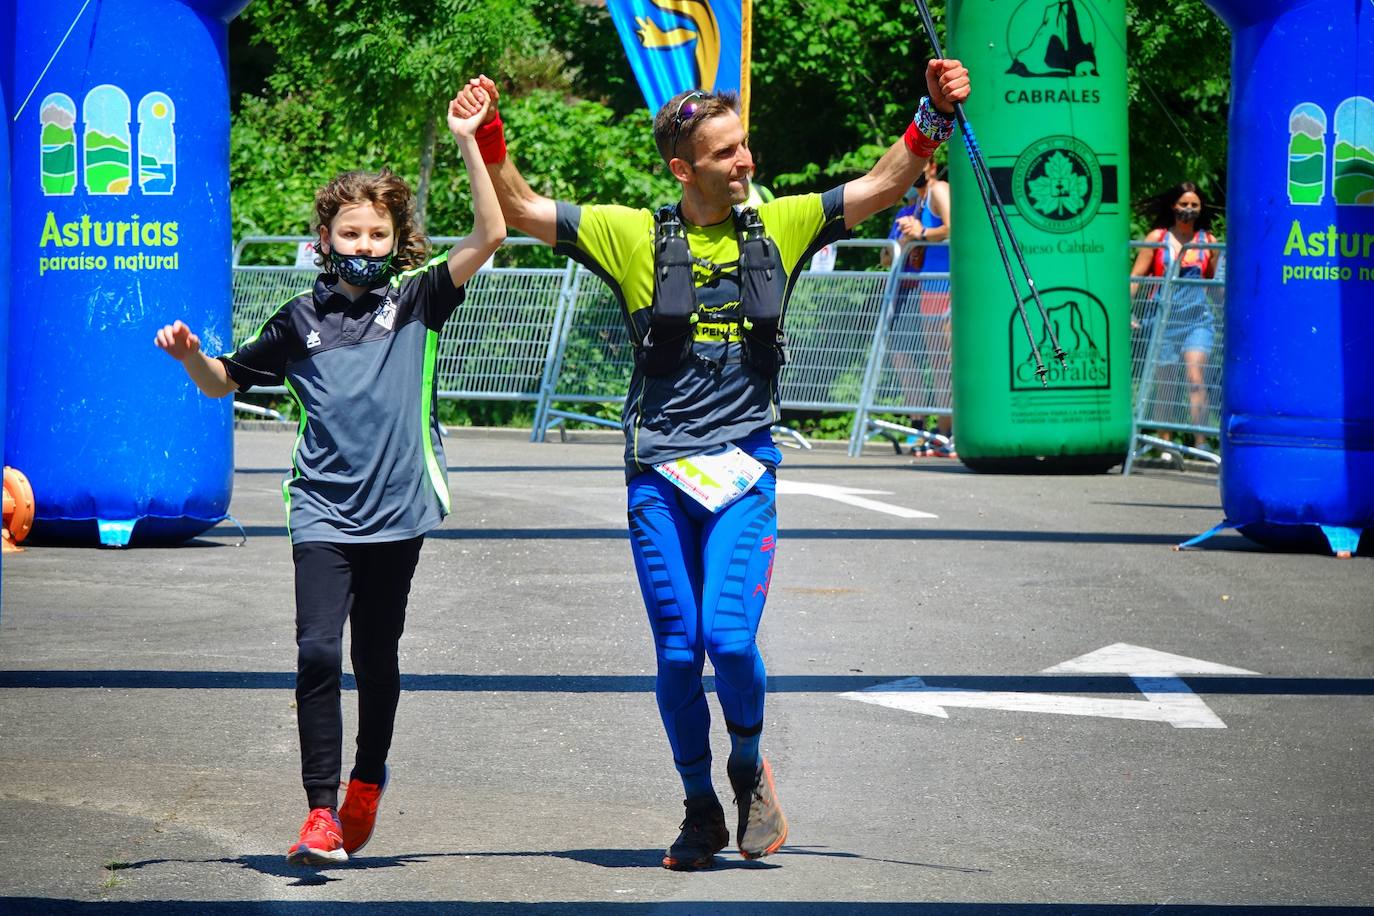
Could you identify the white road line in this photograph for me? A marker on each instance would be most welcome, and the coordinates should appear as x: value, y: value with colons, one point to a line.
x: 1167, y: 697
x: 850, y: 496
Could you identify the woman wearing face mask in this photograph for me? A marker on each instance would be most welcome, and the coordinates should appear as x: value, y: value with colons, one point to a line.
x: 1180, y: 218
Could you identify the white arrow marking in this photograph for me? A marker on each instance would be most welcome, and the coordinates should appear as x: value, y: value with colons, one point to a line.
x: 1167, y: 699
x: 850, y: 496
x: 1124, y: 658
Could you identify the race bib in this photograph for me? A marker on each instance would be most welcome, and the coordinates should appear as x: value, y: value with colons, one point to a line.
x: 715, y: 478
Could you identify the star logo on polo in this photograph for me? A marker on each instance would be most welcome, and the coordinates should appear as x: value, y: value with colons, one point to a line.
x: 1052, y: 38
x: 386, y: 313
x: 1057, y: 184
x: 1081, y: 325
x: 312, y: 340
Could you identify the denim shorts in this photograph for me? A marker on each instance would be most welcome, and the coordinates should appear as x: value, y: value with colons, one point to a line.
x: 1197, y: 338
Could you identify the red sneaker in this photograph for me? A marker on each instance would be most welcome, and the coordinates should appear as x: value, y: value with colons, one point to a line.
x: 321, y: 841
x: 358, y: 814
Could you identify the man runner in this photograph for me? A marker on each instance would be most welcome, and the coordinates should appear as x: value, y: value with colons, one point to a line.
x: 703, y: 286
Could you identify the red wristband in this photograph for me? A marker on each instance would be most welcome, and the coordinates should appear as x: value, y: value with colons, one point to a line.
x: 919, y: 143
x: 491, y: 141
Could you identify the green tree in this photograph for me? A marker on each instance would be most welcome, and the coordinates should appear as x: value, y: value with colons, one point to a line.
x: 1179, y: 89
x: 834, y: 82
x: 833, y: 85
x: 281, y: 150
x: 386, y: 68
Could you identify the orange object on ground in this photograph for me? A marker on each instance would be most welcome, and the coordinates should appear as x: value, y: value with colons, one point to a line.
x: 18, y: 510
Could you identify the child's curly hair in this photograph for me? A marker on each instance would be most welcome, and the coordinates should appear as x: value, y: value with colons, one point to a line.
x: 383, y: 189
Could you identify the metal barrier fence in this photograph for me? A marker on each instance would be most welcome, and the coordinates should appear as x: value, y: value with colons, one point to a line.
x: 498, y: 346
x: 1177, y: 338
x: 833, y: 321
x: 863, y: 340
x: 909, y: 367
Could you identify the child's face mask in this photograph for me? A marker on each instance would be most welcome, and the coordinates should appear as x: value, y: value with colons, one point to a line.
x: 362, y: 229
x: 360, y: 269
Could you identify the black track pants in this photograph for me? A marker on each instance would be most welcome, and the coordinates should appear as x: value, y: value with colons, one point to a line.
x: 367, y: 584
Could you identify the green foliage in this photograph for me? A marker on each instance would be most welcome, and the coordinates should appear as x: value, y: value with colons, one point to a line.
x: 280, y: 151
x: 594, y: 63
x: 828, y: 78
x: 327, y: 85
x: 581, y: 151
x: 1178, y: 87
x: 387, y: 68
x: 392, y: 63
x: 485, y: 413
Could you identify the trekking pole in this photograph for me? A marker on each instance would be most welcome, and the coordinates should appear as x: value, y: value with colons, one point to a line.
x: 992, y: 202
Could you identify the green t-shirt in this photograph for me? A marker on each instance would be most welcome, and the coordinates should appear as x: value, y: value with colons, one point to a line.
x: 714, y: 397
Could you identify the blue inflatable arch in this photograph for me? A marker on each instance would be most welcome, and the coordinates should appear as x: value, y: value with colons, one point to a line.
x: 120, y: 179
x: 1298, y: 404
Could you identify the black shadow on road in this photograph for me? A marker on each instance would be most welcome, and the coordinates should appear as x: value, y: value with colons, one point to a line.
x: 136, y: 679
x: 824, y: 534
x: 33, y: 906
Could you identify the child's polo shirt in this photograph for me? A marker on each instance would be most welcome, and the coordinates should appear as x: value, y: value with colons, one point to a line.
x: 369, y: 461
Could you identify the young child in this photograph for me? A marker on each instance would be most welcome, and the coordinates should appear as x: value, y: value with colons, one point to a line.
x: 368, y: 477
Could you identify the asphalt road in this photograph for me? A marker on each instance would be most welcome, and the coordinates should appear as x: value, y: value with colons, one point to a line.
x: 929, y: 760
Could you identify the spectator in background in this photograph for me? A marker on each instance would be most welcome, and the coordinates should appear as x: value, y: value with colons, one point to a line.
x: 1179, y: 216
x: 920, y: 341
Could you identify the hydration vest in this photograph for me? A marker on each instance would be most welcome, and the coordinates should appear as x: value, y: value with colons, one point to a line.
x: 763, y: 284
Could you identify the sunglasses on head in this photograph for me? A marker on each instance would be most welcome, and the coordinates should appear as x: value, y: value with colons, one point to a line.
x: 686, y: 108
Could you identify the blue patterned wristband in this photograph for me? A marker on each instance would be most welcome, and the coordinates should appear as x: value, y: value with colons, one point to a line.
x: 931, y: 122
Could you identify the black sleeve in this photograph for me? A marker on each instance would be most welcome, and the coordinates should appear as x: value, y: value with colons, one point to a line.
x: 832, y: 205
x: 567, y: 221
x: 833, y: 229
x: 435, y: 298
x: 262, y: 359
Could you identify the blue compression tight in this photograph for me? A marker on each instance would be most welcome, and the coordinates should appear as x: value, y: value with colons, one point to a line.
x: 705, y: 579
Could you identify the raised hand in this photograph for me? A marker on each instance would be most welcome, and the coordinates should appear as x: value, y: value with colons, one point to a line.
x: 463, y: 121
x: 477, y: 96
x: 947, y: 84
x: 177, y: 341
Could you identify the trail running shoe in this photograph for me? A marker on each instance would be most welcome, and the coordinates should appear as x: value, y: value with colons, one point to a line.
x: 762, y: 827
x: 703, y: 835
x: 321, y: 841
x: 358, y: 813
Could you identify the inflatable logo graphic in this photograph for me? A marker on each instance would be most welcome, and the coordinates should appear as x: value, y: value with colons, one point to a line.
x: 107, y: 148
x: 1080, y: 323
x: 58, y: 138
x: 1049, y: 38
x: 1352, y: 163
x: 1352, y: 168
x: 1307, y: 155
